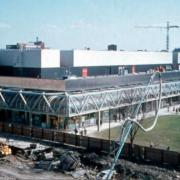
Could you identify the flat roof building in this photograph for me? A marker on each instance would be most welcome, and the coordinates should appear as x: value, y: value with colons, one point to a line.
x: 34, y: 60
x: 79, y: 58
x: 29, y: 62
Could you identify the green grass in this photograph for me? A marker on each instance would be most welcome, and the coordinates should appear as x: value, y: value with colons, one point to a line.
x: 166, y: 133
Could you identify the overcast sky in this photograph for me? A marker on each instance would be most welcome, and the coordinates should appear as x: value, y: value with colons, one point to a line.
x: 76, y: 24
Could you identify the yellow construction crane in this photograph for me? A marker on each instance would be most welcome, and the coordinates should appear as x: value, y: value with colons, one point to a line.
x: 167, y: 27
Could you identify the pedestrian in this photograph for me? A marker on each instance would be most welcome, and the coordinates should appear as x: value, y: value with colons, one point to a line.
x: 83, y: 121
x: 115, y: 118
x: 85, y: 131
x: 81, y: 132
x: 75, y: 130
x: 176, y: 110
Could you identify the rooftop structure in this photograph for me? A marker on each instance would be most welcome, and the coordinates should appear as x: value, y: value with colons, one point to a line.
x: 31, y: 45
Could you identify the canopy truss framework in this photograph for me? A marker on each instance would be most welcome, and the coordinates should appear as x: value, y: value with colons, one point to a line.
x: 69, y: 104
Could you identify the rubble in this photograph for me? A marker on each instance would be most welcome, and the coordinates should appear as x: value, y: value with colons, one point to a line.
x: 69, y: 161
x: 78, y: 165
x: 99, y: 161
x: 79, y: 173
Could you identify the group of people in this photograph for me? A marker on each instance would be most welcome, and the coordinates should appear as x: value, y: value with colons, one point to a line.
x: 81, y: 132
x: 175, y: 109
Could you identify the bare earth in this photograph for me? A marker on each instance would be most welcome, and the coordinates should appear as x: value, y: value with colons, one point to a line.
x: 12, y: 168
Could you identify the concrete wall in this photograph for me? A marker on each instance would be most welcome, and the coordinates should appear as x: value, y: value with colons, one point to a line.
x: 51, y: 73
x: 20, y: 58
x: 32, y: 58
x: 147, y: 154
x: 79, y: 58
x: 9, y: 58
x: 66, y: 58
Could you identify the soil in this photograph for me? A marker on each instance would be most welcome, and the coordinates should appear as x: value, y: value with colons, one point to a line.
x: 15, y: 167
x: 132, y: 171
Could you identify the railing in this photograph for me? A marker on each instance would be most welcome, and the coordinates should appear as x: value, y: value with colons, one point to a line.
x: 147, y: 154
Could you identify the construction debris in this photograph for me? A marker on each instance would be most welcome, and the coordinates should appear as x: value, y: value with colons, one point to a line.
x: 79, y: 173
x: 69, y: 161
x: 74, y: 164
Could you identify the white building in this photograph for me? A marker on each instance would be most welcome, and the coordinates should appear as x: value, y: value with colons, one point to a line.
x: 30, y: 58
x: 24, y: 62
x: 81, y: 58
x: 55, y: 64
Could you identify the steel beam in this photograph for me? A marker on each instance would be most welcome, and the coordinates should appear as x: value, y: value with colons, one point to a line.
x: 70, y: 104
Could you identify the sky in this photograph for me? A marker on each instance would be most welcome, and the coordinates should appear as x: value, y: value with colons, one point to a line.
x: 77, y: 24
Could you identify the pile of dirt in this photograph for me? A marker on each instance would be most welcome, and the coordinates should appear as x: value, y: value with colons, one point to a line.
x: 15, y: 168
x: 127, y: 170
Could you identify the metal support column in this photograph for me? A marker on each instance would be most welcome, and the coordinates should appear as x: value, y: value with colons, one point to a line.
x: 156, y: 106
x: 98, y: 120
x: 30, y: 119
x: 13, y: 116
x: 48, y: 121
x: 170, y: 101
x: 58, y: 122
x: 25, y: 117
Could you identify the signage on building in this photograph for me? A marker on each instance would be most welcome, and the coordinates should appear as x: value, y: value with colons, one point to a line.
x: 84, y: 72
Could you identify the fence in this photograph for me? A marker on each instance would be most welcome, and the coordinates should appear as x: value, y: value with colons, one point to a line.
x: 94, y: 144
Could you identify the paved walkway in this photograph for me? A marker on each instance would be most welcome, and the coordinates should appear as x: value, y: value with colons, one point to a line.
x: 93, y: 129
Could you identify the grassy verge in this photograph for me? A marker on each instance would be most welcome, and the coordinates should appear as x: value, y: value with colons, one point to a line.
x: 165, y: 134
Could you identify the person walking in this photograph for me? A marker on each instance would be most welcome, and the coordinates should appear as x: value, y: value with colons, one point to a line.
x: 85, y: 131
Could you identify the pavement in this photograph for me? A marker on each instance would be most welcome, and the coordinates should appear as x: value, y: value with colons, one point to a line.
x: 104, y: 126
x: 15, y: 141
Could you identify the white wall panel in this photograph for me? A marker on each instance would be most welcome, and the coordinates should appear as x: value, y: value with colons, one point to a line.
x: 33, y: 58
x: 50, y: 58
x: 108, y: 58
x: 53, y: 58
x: 178, y: 58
